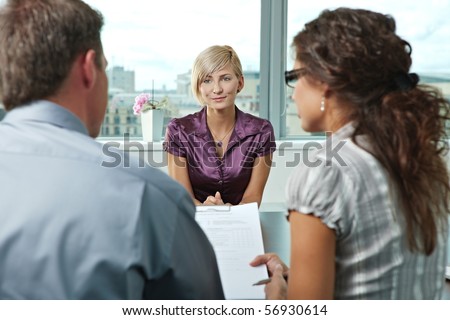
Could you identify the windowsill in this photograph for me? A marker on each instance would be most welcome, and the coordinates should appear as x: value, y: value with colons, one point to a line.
x: 133, y: 145
x: 140, y: 145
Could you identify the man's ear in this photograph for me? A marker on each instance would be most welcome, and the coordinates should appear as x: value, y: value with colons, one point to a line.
x: 89, y: 68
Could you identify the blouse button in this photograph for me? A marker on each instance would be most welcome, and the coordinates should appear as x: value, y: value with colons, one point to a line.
x: 220, y: 182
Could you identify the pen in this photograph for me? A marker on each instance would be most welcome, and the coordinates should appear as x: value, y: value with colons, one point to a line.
x: 266, y: 281
x: 263, y: 281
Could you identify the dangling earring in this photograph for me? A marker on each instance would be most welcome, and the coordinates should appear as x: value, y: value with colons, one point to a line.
x: 322, y: 104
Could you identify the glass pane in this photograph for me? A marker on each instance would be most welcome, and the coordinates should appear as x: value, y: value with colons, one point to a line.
x: 151, y: 46
x: 424, y: 24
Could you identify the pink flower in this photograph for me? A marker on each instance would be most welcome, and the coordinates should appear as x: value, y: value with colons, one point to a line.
x: 143, y: 102
x: 139, y: 103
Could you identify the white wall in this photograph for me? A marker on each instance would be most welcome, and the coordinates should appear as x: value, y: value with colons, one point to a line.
x: 285, y: 158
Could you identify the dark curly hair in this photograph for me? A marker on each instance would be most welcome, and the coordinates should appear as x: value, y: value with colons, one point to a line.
x: 366, y: 65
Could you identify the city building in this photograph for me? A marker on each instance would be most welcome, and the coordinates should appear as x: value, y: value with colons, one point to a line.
x: 121, y: 79
x: 120, y: 119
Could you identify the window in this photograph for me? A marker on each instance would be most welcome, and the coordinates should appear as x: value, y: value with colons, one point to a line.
x: 423, y: 24
x: 151, y: 46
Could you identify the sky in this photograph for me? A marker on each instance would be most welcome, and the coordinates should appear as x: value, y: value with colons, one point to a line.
x: 424, y: 24
x: 161, y: 39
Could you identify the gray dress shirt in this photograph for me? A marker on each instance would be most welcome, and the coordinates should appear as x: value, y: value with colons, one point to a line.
x: 72, y: 227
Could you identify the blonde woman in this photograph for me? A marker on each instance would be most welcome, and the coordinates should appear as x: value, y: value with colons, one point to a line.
x: 220, y: 154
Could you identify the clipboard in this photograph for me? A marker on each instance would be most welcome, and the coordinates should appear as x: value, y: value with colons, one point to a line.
x: 235, y: 234
x: 213, y: 209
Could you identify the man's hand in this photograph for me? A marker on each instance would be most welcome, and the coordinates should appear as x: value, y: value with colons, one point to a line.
x: 271, y: 260
x: 276, y: 289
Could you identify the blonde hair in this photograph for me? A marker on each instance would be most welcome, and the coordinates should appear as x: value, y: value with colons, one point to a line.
x: 210, y: 60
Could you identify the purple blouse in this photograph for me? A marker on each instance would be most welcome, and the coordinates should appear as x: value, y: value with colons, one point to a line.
x: 189, y: 137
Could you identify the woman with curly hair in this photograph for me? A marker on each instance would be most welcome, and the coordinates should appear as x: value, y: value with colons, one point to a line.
x: 371, y: 223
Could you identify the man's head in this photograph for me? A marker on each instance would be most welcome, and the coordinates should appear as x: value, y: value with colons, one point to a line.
x: 40, y: 41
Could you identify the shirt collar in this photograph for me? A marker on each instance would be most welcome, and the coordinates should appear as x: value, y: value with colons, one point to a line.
x: 345, y: 131
x: 241, y: 130
x: 47, y: 112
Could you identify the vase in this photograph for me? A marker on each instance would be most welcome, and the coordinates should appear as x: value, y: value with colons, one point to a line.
x: 152, y: 124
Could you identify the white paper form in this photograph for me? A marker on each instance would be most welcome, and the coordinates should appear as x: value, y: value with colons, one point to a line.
x: 235, y: 234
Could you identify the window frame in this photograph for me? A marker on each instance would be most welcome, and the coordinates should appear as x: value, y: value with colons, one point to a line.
x: 273, y: 64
